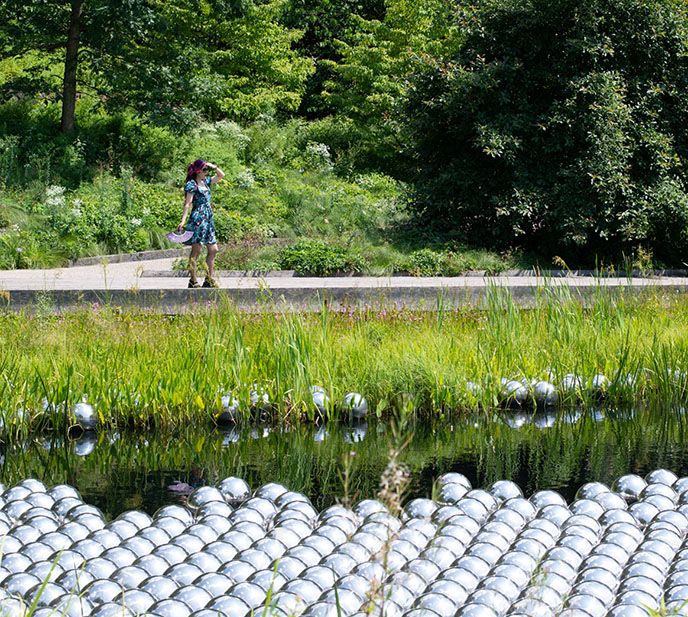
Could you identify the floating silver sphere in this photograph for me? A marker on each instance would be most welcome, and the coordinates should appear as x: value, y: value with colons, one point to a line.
x: 545, y: 394
x: 251, y: 594
x: 234, y: 490
x: 452, y: 493
x: 643, y: 511
x: 160, y: 587
x: 453, y: 477
x: 170, y: 608
x: 231, y: 409
x: 629, y: 487
x: 515, y: 393
x: 111, y: 609
x: 599, y: 384
x: 420, y: 508
x: 320, y: 400
x: 84, y: 416
x: 505, y: 489
x: 135, y: 600
x: 192, y: 596
x: 355, y: 405
x: 202, y: 495
x: 661, y: 476
x: 260, y: 399
x: 228, y: 605
x: 571, y: 383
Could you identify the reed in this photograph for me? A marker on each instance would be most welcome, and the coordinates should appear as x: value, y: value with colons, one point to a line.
x: 143, y: 369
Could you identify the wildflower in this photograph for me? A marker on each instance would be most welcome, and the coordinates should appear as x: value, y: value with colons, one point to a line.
x: 55, y: 195
x: 20, y: 249
x: 136, y: 222
x: 245, y: 179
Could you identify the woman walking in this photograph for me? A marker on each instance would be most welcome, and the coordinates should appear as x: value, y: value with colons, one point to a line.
x: 197, y: 190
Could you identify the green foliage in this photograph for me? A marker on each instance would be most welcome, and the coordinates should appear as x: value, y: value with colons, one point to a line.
x: 231, y: 225
x: 237, y: 60
x: 325, y: 23
x: 557, y: 126
x: 33, y: 150
x: 369, y: 78
x: 315, y: 257
x: 427, y: 262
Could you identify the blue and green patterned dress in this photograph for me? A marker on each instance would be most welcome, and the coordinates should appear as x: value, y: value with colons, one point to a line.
x: 201, y: 217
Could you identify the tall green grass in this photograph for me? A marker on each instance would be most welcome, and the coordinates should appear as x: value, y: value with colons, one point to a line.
x: 142, y: 369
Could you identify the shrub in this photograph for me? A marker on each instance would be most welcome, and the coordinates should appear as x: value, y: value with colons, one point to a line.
x: 317, y: 258
x: 559, y: 127
x: 230, y: 226
x: 427, y: 262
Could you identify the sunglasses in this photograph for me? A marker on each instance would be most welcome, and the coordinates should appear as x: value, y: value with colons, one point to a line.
x: 206, y: 168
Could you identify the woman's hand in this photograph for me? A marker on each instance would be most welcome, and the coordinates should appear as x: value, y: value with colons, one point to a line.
x: 180, y: 227
x: 219, y: 174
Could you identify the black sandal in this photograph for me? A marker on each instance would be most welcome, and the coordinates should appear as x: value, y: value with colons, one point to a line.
x: 194, y: 284
x: 210, y: 282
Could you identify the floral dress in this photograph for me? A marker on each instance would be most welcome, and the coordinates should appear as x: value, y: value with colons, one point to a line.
x: 201, y: 217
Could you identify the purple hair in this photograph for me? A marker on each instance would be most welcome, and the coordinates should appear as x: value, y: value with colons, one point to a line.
x: 194, y: 168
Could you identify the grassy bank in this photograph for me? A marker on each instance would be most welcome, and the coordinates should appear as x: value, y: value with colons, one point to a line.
x: 139, y: 368
x: 121, y: 189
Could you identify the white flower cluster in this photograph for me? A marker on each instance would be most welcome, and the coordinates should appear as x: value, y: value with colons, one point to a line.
x: 245, y: 179
x: 54, y: 195
x: 136, y: 222
x: 232, y: 131
x: 76, y: 208
x: 318, y: 155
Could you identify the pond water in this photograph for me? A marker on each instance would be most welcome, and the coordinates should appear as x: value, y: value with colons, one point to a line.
x: 560, y: 451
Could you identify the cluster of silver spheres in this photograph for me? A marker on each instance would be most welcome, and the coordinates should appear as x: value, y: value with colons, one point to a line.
x: 353, y: 405
x: 543, y: 394
x: 613, y: 552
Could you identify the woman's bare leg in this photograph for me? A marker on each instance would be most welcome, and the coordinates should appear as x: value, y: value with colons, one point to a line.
x: 210, y: 259
x: 193, y: 257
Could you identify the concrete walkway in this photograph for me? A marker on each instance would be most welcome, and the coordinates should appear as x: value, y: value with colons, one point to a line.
x: 126, y: 284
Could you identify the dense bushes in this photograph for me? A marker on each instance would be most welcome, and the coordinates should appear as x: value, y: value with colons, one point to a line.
x: 558, y: 126
x: 317, y: 258
x: 33, y: 150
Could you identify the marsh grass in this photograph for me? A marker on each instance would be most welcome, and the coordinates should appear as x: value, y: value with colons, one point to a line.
x: 143, y: 369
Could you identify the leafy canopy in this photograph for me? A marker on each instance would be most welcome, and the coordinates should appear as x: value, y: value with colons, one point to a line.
x: 557, y: 125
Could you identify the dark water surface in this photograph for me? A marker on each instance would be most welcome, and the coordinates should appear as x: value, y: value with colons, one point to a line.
x: 125, y: 471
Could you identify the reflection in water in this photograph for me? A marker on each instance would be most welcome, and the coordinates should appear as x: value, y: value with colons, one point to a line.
x: 354, y: 432
x: 559, y: 450
x: 85, y: 444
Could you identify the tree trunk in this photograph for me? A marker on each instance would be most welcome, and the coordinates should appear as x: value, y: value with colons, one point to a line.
x: 69, y: 87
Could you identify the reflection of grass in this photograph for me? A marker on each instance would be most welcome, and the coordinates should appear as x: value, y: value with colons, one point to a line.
x: 144, y: 369
x: 561, y: 457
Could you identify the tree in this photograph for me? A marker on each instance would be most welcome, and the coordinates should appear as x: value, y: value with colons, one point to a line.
x: 558, y: 126
x: 98, y: 33
x: 325, y: 23
x: 370, y: 78
x: 238, y: 61
x: 169, y: 60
